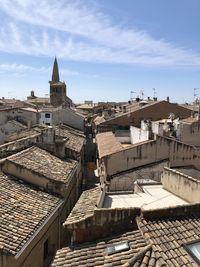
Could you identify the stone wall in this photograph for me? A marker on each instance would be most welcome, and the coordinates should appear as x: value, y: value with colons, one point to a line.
x: 104, y: 222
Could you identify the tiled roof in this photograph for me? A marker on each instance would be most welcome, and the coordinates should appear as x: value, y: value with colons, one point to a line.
x: 133, y: 108
x: 42, y: 162
x: 95, y: 254
x: 107, y: 144
x: 22, y: 134
x: 84, y: 207
x: 74, y: 142
x: 168, y: 235
x: 98, y: 120
x: 39, y: 100
x: 22, y: 211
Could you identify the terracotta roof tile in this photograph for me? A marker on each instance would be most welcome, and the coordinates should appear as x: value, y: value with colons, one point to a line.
x: 84, y: 207
x: 107, y: 144
x: 74, y: 142
x: 94, y: 254
x: 42, y: 162
x: 23, y: 209
x: 168, y: 246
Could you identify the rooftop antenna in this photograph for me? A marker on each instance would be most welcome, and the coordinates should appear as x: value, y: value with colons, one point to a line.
x: 195, y: 94
x: 154, y: 92
x: 132, y: 93
x: 196, y: 100
x: 142, y: 94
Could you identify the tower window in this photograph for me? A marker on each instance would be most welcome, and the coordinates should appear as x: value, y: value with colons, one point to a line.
x: 47, y: 115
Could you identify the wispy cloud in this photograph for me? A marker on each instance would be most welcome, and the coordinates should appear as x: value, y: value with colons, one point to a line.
x: 81, y: 32
x: 20, y: 68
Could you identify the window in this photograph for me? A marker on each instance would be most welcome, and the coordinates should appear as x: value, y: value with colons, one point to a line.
x: 47, y: 115
x: 46, y: 249
x: 193, y: 248
x: 112, y: 249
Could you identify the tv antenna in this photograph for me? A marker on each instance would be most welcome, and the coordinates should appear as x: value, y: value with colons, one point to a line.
x: 195, y: 94
x: 154, y: 92
x: 142, y: 94
x: 132, y: 93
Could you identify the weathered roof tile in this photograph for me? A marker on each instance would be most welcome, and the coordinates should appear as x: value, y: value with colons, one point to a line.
x: 23, y: 211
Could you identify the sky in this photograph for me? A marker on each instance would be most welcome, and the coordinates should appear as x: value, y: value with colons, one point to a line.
x: 106, y: 49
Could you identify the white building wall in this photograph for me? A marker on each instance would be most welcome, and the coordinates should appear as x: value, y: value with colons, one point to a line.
x: 46, y: 118
x: 69, y: 117
x: 138, y: 135
x: 157, y: 128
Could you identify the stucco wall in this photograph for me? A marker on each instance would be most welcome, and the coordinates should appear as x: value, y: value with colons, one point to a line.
x: 190, y: 133
x: 125, y: 182
x: 33, y: 177
x: 160, y: 149
x: 7, y: 129
x: 181, y: 185
x: 21, y: 115
x: 69, y: 117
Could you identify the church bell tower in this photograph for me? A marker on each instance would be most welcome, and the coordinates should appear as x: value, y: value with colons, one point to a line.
x: 57, y: 88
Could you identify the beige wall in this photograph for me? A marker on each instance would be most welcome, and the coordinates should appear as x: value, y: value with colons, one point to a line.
x: 125, y: 182
x: 7, y: 129
x: 153, y: 151
x: 34, y: 178
x: 181, y: 185
x: 69, y: 117
x: 190, y: 133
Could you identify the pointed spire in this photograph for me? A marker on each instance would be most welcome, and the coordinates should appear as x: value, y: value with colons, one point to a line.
x: 55, y: 73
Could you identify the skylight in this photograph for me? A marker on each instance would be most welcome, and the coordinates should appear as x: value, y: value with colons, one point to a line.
x: 114, y: 248
x: 193, y: 249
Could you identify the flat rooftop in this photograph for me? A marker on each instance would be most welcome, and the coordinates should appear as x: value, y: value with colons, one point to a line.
x: 153, y: 197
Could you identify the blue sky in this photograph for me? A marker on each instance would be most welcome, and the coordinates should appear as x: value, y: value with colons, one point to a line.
x: 105, y: 48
